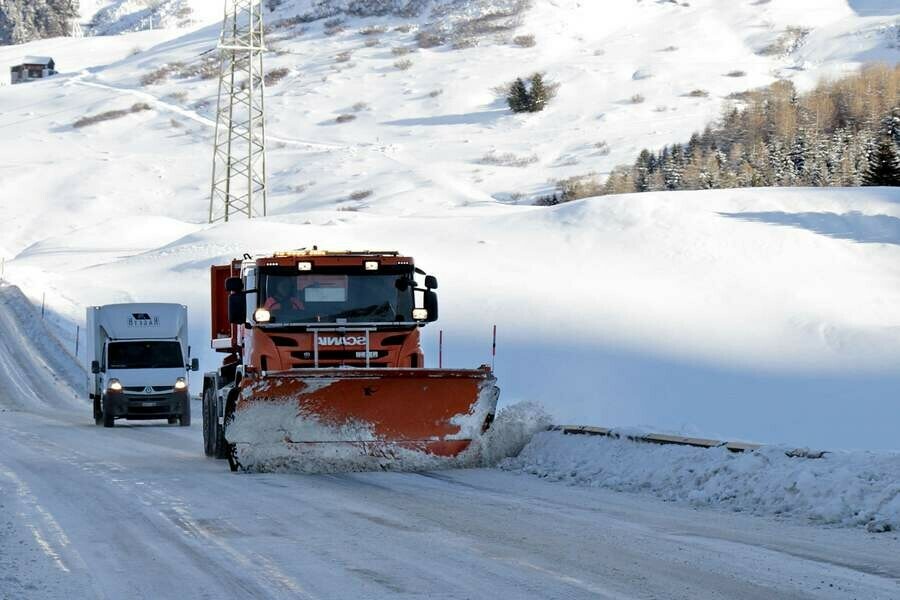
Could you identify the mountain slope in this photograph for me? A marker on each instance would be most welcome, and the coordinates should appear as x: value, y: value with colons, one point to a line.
x: 764, y: 314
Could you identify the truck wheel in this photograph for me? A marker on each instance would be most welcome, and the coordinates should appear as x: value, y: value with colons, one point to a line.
x: 223, y: 448
x: 208, y: 422
x: 98, y: 412
x: 109, y: 419
x: 185, y: 419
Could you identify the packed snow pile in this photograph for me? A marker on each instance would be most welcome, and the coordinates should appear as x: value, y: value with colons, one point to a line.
x: 842, y: 488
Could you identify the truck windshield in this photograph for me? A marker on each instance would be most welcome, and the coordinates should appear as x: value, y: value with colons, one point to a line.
x: 326, y: 298
x: 145, y: 355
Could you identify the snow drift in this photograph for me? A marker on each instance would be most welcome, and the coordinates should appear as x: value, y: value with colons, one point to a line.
x: 842, y: 488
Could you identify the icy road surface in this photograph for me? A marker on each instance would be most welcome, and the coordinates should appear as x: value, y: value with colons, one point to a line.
x: 139, y: 512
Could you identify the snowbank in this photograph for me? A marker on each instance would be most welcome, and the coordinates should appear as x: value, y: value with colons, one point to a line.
x: 843, y: 488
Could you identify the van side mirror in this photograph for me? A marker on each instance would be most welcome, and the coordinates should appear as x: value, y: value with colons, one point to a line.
x: 431, y: 282
x: 237, y: 309
x: 431, y: 305
x: 234, y: 284
x: 195, y: 364
x: 95, y: 366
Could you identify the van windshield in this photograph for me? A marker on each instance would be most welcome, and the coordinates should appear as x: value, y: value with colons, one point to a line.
x: 145, y: 355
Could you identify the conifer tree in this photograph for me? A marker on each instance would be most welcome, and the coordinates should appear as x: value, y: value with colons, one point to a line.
x: 884, y: 165
x: 518, y: 97
x: 643, y: 170
x: 537, y: 96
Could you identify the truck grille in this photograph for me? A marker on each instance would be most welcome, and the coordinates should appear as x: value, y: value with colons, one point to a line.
x: 339, y: 355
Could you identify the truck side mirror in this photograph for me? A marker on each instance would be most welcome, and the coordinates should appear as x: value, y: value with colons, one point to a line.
x: 95, y: 366
x: 431, y: 305
x: 237, y: 309
x: 195, y: 364
x: 234, y: 284
x: 431, y: 282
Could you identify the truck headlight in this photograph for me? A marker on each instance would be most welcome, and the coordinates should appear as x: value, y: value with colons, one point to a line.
x: 262, y: 315
x: 420, y: 314
x: 114, y: 385
x: 180, y: 384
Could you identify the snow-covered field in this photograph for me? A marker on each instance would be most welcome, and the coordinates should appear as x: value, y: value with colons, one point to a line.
x: 768, y: 315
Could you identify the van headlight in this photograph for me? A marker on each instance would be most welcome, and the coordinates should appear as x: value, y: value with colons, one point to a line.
x: 180, y: 384
x: 114, y: 385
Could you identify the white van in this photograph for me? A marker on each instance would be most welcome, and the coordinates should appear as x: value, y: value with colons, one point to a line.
x: 139, y: 360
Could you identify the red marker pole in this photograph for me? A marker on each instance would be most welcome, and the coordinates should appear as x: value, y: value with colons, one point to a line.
x: 441, y: 349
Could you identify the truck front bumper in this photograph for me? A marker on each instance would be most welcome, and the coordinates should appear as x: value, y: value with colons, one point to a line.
x: 136, y: 407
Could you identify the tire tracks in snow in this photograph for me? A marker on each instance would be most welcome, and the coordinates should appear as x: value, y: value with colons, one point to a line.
x: 194, y: 116
x: 423, y: 174
x: 202, y: 544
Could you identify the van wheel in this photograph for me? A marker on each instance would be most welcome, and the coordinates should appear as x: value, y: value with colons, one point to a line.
x: 109, y: 419
x: 98, y: 412
x: 173, y: 420
x: 185, y: 419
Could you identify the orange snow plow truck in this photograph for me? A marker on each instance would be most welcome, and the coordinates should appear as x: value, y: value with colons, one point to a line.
x: 324, y: 371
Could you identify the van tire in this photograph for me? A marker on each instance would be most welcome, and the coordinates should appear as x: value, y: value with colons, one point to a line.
x: 109, y: 419
x: 98, y: 412
x: 185, y: 419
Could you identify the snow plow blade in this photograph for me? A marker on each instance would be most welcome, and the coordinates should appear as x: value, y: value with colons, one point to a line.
x: 338, y: 420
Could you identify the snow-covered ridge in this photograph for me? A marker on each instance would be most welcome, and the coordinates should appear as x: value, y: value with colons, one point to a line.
x: 108, y: 17
x: 843, y: 488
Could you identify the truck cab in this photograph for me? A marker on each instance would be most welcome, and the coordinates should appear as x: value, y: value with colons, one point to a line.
x: 139, y: 362
x: 317, y: 309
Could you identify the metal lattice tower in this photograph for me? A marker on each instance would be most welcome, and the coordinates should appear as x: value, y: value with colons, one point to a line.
x: 239, y: 160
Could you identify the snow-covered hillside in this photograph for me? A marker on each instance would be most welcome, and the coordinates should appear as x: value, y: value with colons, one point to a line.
x: 107, y: 17
x: 764, y: 314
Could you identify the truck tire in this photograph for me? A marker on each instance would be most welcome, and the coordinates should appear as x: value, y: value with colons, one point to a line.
x: 223, y: 448
x: 98, y: 412
x: 109, y: 419
x: 184, y: 420
x: 209, y: 421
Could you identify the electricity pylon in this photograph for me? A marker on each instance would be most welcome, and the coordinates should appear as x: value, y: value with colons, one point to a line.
x: 239, y: 159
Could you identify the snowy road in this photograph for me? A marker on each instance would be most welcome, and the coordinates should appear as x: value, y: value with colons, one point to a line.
x: 139, y: 512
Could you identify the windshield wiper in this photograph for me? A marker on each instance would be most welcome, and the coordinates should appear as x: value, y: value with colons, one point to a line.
x: 364, y: 311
